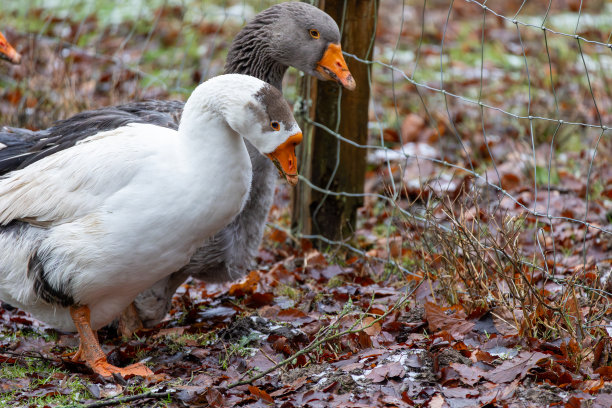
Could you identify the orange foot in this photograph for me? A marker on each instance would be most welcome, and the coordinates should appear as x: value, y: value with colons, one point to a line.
x: 105, y: 369
x: 91, y: 352
x: 76, y: 355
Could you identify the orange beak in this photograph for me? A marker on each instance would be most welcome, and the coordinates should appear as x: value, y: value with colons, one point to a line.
x: 332, y: 67
x: 8, y: 52
x: 284, y: 158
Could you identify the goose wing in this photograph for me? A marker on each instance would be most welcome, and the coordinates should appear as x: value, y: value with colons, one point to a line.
x: 23, y: 147
x: 75, y: 181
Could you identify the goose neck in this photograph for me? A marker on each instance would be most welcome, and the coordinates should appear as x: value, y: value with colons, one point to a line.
x: 205, y: 131
x: 250, y: 54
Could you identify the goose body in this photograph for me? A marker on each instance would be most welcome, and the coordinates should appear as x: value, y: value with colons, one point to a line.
x: 279, y: 37
x: 95, y: 224
x: 123, y: 220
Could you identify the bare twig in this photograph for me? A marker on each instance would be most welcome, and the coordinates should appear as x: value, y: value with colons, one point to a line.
x: 31, y: 354
x: 316, y: 343
x: 123, y: 400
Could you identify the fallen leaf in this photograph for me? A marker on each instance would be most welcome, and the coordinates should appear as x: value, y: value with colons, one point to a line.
x: 331, y: 271
x: 438, y: 320
x: 215, y: 398
x: 516, y: 367
x: 603, y: 401
x: 291, y: 314
x: 277, y: 235
x: 172, y: 331
x: 467, y: 375
x: 605, y: 372
x: 459, y: 392
x: 381, y: 373
x: 437, y: 401
x: 510, y: 181
x: 261, y: 394
x: 411, y: 127
x: 593, y: 386
x: 258, y: 299
x: 573, y: 402
x: 315, y: 259
x: 294, y: 386
x: 247, y: 286
x: 374, y: 329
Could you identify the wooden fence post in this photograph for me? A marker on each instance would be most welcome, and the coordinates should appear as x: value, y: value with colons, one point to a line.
x: 334, y: 217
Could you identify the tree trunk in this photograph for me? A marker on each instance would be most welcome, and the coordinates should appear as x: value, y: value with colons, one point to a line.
x: 325, y: 160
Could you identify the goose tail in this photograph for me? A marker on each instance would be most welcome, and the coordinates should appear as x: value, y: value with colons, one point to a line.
x: 16, y: 147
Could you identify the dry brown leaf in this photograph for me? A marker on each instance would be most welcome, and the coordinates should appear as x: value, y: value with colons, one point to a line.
x: 437, y: 401
x: 277, y: 236
x: 294, y: 386
x: 593, y: 386
x: 171, y: 331
x: 247, y: 286
x: 510, y: 181
x: 438, y: 320
x: 506, y: 321
x: 374, y: 329
x: 381, y: 373
x: 261, y: 394
x: 517, y: 367
x: 291, y: 314
x: 459, y: 393
x: 605, y: 372
x: 412, y: 125
x: 467, y: 375
x: 573, y: 402
x: 215, y: 398
x: 315, y: 258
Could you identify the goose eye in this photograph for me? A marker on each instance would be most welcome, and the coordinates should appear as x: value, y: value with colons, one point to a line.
x: 314, y: 34
x: 275, y: 125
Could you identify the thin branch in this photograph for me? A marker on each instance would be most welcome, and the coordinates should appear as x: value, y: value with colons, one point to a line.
x: 123, y: 400
x: 313, y: 345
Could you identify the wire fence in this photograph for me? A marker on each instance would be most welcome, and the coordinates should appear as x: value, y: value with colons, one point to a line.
x: 483, y: 114
x: 489, y: 124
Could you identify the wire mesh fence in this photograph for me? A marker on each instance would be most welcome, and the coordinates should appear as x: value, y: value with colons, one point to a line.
x: 489, y: 132
x: 489, y: 141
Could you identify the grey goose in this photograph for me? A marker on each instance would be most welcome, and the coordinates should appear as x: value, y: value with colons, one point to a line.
x: 288, y: 34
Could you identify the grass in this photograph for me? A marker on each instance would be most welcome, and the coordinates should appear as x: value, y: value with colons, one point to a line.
x: 178, y: 342
x: 241, y: 349
x: 290, y: 292
x: 39, y: 373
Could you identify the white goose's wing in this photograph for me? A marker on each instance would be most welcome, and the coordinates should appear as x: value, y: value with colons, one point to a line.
x: 76, y: 181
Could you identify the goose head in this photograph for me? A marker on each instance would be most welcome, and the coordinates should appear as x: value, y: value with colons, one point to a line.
x: 292, y: 34
x: 7, y: 51
x: 256, y: 111
x: 309, y: 39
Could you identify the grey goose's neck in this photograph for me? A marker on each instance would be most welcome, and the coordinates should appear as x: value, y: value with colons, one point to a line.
x: 250, y: 52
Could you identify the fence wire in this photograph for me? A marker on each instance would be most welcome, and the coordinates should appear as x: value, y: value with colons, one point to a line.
x: 485, y: 116
x: 531, y: 76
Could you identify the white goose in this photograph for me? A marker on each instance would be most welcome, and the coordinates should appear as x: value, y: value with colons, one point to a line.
x: 288, y: 34
x: 86, y: 229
